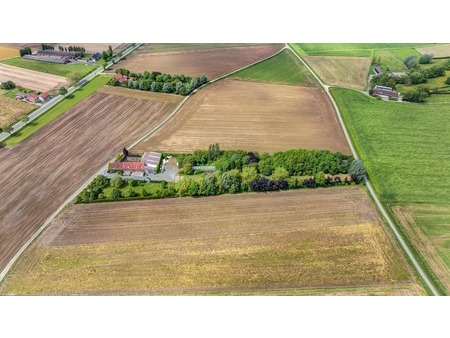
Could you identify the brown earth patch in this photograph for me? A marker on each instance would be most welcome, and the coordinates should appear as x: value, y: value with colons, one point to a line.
x: 252, y: 116
x: 212, y: 62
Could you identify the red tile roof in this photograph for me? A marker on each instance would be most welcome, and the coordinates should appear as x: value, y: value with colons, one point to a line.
x: 129, y: 166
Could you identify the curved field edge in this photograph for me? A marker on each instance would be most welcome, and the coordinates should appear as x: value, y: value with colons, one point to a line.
x: 325, y: 243
x: 355, y: 116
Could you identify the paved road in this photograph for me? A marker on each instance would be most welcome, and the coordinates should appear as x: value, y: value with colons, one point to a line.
x: 45, y: 107
x: 370, y: 187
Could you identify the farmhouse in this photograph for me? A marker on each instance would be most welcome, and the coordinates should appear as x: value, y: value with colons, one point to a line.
x: 96, y: 56
x: 138, y: 166
x: 385, y: 92
x: 121, y: 78
x: 53, y: 56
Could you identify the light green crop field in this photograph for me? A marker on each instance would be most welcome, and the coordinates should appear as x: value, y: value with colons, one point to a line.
x: 405, y: 148
x: 283, y: 68
x: 57, y: 110
x: 351, y: 49
x: 51, y: 68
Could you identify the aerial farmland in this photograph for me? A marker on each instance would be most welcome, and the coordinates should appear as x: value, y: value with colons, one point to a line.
x: 266, y: 155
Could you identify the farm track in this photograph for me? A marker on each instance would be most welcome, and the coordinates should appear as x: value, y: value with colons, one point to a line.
x: 39, y: 174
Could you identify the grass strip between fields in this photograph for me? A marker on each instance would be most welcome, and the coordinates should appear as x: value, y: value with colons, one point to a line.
x: 60, y: 108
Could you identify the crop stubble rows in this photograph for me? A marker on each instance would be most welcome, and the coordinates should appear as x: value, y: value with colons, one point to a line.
x: 288, y: 240
x: 40, y: 173
x: 252, y: 116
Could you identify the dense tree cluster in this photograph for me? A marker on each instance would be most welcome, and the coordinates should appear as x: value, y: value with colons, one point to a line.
x: 107, y: 55
x: 8, y: 85
x: 93, y: 191
x: 25, y: 51
x: 241, y: 171
x: 159, y: 82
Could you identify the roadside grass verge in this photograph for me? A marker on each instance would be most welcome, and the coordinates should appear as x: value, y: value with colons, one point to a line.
x: 51, y: 68
x: 57, y: 110
x: 283, y: 68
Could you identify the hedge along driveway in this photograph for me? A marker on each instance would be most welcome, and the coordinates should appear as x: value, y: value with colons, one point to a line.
x: 60, y: 108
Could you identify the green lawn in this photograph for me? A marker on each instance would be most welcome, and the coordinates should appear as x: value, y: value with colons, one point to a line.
x: 283, y: 68
x: 57, y: 110
x: 51, y: 68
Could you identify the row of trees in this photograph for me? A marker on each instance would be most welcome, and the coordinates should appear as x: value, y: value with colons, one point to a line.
x: 159, y: 82
x: 47, y: 47
x: 79, y: 49
x: 25, y: 51
x: 107, y: 55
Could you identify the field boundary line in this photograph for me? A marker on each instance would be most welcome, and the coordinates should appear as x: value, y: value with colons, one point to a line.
x: 383, y: 211
x: 36, y: 234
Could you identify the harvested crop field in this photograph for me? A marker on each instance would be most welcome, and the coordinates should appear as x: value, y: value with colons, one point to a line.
x: 31, y: 79
x: 11, y: 109
x: 47, y: 168
x: 288, y: 241
x: 252, y: 116
x: 6, y: 53
x: 439, y: 51
x: 185, y: 47
x: 343, y: 71
x: 212, y: 62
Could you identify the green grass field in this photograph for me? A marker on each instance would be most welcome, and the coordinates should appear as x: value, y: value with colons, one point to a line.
x: 51, y: 68
x: 351, y: 49
x: 283, y: 68
x: 57, y: 110
x: 405, y: 148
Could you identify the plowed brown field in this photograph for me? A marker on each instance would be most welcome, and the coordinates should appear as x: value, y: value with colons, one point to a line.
x: 295, y: 240
x: 40, y: 173
x: 252, y: 116
x: 31, y: 79
x: 212, y: 62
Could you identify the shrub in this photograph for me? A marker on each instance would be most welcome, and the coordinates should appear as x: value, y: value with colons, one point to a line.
x: 425, y: 59
x: 447, y: 81
x: 280, y: 174
x: 320, y: 178
x: 116, y: 182
x: 415, y: 96
x: 7, y: 85
x: 357, y: 171
x: 410, y: 62
x: 132, y: 182
x: 115, y: 194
